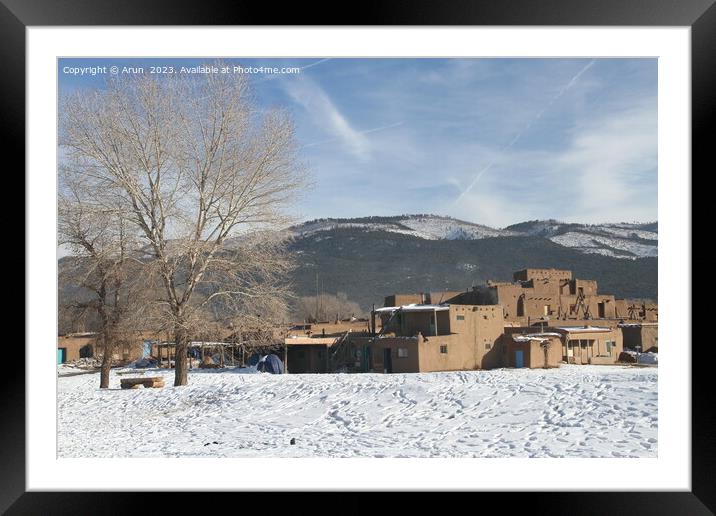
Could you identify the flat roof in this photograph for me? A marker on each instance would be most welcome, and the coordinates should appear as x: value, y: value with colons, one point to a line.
x: 310, y: 341
x: 414, y: 308
x: 584, y: 329
x: 522, y: 337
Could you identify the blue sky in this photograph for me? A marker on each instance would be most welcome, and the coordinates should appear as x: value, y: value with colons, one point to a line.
x: 492, y: 141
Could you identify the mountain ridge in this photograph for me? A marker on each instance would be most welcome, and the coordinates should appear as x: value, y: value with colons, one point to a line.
x: 623, y: 240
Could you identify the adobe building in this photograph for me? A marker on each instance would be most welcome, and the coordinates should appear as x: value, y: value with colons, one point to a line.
x: 643, y: 336
x: 73, y: 346
x: 637, y: 310
x: 425, y: 338
x: 308, y: 354
x: 597, y: 345
x: 543, y: 318
x: 533, y: 350
x: 537, y: 294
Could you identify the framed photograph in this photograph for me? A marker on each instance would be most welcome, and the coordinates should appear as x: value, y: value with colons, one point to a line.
x: 414, y: 251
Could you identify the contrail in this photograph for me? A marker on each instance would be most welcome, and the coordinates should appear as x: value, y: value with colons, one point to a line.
x: 366, y: 131
x: 316, y: 63
x: 561, y: 92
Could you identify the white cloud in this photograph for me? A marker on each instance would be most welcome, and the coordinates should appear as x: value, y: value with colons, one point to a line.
x: 323, y: 112
x: 605, y: 173
x: 610, y: 159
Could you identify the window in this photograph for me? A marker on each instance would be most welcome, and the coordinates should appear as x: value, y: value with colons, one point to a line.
x: 610, y: 345
x: 460, y: 317
x: 488, y: 345
x: 443, y: 350
x: 402, y: 352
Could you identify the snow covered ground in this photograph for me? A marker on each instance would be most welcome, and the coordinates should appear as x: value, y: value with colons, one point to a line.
x: 573, y: 411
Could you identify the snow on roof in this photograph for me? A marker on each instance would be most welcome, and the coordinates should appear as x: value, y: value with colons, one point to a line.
x: 414, y: 308
x: 584, y: 329
x: 195, y: 344
x: 310, y: 341
x: 533, y: 336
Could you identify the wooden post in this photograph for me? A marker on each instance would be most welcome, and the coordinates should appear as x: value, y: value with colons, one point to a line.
x: 285, y: 358
x: 222, y: 355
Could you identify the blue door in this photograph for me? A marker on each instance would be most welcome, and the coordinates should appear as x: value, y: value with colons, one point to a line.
x: 519, y: 358
x: 61, y: 355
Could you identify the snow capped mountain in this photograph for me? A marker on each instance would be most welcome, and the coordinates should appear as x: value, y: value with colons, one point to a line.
x: 621, y: 240
x: 427, y: 227
x: 617, y: 240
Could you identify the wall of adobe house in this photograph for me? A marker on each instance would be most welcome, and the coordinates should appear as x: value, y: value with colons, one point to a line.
x: 529, y: 273
x: 409, y: 324
x: 589, y: 287
x: 474, y: 343
x: 533, y: 353
x: 79, y: 347
x: 646, y: 337
x: 582, y: 355
x: 403, y: 299
x: 461, y: 354
x: 306, y: 359
x: 508, y: 296
x: 621, y: 309
x: 649, y: 337
x: 409, y: 364
x: 652, y: 313
x: 535, y: 306
x: 76, y: 346
x: 547, y: 286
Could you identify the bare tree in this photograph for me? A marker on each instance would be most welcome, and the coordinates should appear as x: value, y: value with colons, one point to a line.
x: 327, y: 307
x: 101, y: 240
x: 195, y: 163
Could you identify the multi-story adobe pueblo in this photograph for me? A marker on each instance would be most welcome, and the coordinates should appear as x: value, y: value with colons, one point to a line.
x: 541, y: 319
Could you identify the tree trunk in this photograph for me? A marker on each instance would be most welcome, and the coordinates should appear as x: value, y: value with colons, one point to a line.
x: 181, y: 339
x: 106, y: 363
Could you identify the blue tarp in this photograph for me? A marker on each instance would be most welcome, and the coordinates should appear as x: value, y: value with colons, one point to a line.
x: 270, y: 364
x: 254, y: 359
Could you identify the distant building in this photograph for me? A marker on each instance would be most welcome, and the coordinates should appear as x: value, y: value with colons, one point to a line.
x: 536, y: 294
x: 73, y: 346
x: 570, y: 344
x: 642, y: 336
x: 422, y: 338
x: 542, y: 318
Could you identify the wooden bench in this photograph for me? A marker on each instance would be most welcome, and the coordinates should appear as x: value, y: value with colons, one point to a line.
x: 146, y: 381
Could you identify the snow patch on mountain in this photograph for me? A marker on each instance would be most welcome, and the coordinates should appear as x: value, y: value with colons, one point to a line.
x: 425, y: 227
x: 618, y: 240
x: 608, y: 246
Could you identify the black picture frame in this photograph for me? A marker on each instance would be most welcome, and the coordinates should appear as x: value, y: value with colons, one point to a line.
x: 700, y: 15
